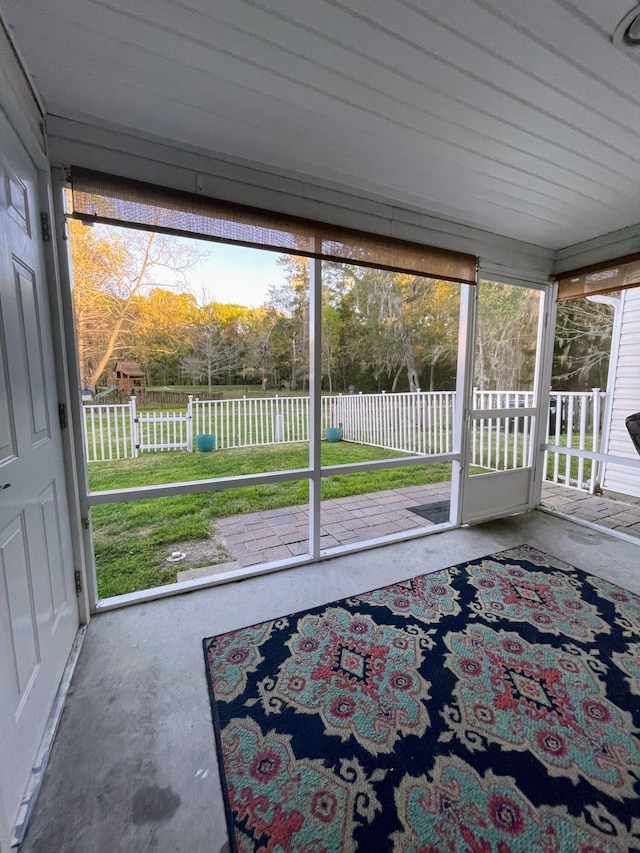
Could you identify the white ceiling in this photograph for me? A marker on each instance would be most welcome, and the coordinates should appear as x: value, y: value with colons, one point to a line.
x: 516, y: 116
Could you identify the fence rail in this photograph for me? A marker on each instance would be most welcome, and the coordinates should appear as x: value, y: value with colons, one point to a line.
x: 419, y: 423
x: 153, y: 399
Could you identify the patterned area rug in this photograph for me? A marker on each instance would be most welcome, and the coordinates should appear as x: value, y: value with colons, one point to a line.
x: 493, y: 707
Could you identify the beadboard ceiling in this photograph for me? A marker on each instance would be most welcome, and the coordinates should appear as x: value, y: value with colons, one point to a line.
x: 520, y: 117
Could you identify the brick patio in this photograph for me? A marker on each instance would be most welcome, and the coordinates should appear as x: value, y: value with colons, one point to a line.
x: 278, y: 534
x: 620, y: 515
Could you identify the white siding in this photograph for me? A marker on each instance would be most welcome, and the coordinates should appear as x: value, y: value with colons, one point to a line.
x: 626, y: 399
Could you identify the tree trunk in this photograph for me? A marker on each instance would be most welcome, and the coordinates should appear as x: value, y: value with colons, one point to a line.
x: 394, y: 384
x: 294, y: 371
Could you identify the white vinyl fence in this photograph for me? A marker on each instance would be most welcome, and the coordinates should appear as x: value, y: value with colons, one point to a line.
x: 419, y: 423
x: 502, y: 443
x: 414, y: 423
x: 252, y: 421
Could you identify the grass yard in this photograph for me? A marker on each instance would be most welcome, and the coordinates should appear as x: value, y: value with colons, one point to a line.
x: 132, y: 540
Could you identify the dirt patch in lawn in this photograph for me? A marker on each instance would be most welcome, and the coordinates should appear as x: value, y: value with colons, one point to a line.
x: 201, y: 552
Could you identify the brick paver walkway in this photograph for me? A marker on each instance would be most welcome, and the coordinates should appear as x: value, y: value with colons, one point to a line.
x: 277, y: 534
x: 615, y: 514
x: 260, y: 537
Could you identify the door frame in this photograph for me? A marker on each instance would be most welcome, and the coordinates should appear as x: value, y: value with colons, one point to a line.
x: 530, y: 483
x: 65, y: 371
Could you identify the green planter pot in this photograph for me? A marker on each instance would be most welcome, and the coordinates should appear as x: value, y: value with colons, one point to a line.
x: 205, y: 443
x: 333, y: 434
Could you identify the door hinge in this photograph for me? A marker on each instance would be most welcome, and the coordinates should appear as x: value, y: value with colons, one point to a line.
x: 62, y: 416
x: 78, y: 579
x: 45, y: 226
x: 85, y: 523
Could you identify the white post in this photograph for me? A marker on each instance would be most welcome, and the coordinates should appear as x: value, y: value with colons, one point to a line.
x: 584, y: 402
x: 133, y: 420
x: 595, y: 440
x: 190, y: 423
x: 313, y: 405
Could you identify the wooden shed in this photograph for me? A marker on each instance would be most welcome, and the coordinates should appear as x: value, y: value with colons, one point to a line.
x: 128, y: 376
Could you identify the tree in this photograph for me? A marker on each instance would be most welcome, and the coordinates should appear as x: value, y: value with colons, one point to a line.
x: 163, y: 321
x: 290, y: 302
x: 266, y: 350
x: 112, y: 267
x: 582, y: 345
x: 506, y: 340
x: 216, y: 342
x: 331, y: 343
x: 398, y: 322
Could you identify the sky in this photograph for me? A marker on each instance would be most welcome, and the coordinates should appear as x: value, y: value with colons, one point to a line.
x: 227, y: 274
x: 235, y: 274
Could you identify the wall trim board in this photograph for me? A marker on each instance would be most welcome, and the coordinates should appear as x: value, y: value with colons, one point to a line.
x: 616, y: 244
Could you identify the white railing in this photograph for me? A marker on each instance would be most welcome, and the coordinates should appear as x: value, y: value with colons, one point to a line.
x: 419, y: 423
x: 119, y: 431
x: 506, y: 441
x: 165, y: 430
x: 109, y: 432
x: 413, y: 423
x: 575, y: 423
x: 252, y: 421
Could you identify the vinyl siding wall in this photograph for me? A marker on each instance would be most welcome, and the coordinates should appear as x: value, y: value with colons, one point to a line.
x: 626, y: 399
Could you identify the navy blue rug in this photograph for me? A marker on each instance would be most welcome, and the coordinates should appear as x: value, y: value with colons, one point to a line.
x: 492, y: 707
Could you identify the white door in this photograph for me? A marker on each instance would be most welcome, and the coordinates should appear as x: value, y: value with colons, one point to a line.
x: 504, y: 410
x: 38, y: 607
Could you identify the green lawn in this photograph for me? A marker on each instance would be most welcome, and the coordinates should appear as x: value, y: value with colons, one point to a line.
x: 132, y: 540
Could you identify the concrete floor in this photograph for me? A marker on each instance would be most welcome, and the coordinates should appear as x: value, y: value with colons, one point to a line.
x: 133, y: 767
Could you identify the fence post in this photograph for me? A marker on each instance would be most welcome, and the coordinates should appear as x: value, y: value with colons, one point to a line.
x: 190, y: 423
x: 134, y: 426
x: 595, y: 432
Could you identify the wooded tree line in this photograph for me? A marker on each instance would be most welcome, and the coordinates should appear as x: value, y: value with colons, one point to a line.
x: 380, y: 330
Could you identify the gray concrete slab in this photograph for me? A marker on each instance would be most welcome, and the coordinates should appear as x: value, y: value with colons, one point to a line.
x: 133, y: 768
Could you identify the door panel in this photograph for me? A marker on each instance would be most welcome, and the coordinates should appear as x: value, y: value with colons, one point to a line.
x: 17, y: 201
x: 22, y: 640
x: 29, y: 326
x: 51, y: 526
x: 501, y: 493
x: 504, y: 404
x: 38, y: 607
x: 8, y: 448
